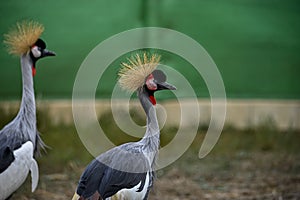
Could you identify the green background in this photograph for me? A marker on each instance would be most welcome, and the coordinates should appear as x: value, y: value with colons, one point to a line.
x: 255, y: 43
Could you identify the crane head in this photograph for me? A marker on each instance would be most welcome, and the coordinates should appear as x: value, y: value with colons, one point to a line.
x: 37, y: 51
x: 24, y: 39
x: 157, y: 81
x: 133, y: 73
x: 140, y: 73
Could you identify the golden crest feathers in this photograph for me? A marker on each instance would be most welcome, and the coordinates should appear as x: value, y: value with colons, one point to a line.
x: 133, y: 74
x: 23, y: 36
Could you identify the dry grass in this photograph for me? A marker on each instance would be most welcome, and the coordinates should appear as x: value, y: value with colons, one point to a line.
x: 253, y: 164
x: 247, y: 176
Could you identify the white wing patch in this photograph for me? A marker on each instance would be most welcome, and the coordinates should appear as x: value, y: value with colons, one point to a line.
x: 132, y: 194
x: 15, y: 175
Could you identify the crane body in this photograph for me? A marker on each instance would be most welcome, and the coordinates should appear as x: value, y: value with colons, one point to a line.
x: 127, y: 171
x: 20, y: 139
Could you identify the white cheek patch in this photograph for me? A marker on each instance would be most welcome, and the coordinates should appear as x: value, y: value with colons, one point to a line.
x: 35, y: 52
x: 151, y: 85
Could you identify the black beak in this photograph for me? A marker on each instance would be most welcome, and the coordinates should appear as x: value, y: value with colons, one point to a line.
x: 165, y: 86
x: 46, y: 52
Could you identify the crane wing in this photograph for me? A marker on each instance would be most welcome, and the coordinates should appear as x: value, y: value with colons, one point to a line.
x: 9, y: 141
x: 119, y: 168
x: 12, y: 136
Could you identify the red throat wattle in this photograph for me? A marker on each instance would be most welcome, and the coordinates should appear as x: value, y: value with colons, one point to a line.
x: 153, y: 100
x: 33, y: 71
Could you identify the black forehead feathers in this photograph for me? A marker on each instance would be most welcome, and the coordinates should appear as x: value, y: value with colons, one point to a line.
x: 40, y: 43
x: 159, y: 76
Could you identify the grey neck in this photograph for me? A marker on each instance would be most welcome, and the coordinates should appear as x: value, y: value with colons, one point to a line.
x: 151, y: 137
x: 27, y: 113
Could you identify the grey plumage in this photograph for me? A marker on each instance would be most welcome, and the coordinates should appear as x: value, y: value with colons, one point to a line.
x: 128, y: 165
x: 23, y: 127
x: 22, y: 130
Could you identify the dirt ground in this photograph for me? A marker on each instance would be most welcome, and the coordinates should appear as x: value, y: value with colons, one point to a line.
x: 243, y: 176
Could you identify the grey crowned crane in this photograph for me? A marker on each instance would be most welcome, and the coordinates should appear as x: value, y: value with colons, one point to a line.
x: 127, y: 171
x: 20, y: 140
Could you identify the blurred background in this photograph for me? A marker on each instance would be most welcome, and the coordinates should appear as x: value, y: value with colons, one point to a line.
x: 255, y: 45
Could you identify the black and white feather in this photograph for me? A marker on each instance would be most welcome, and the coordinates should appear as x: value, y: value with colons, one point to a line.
x: 20, y: 140
x: 127, y: 171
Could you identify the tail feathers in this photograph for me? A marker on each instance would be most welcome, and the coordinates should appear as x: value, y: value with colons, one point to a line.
x: 40, y: 145
x: 34, y: 169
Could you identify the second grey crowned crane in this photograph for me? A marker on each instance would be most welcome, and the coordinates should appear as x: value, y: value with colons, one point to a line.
x: 127, y: 171
x: 20, y: 140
